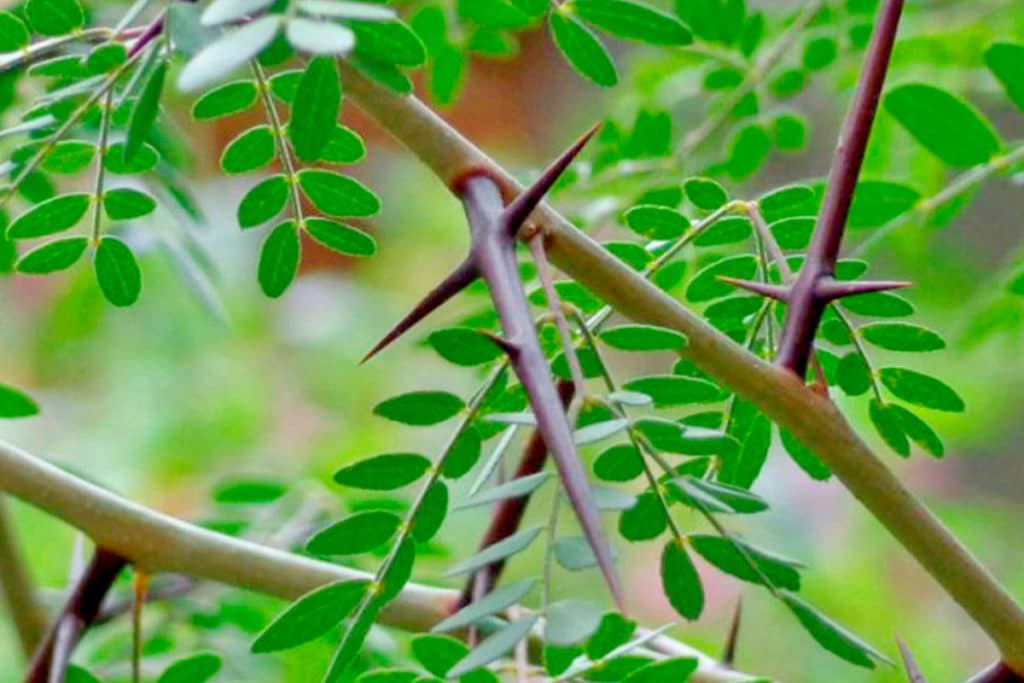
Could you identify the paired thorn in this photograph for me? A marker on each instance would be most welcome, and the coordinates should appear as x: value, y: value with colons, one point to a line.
x: 460, y: 278
x: 826, y: 289
x: 519, y: 210
x: 914, y: 674
x: 729, y: 652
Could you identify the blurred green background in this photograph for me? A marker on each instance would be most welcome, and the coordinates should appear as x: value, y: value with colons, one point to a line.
x: 164, y: 400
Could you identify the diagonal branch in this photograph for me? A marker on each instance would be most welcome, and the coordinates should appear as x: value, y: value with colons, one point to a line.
x: 806, y: 301
x: 780, y: 395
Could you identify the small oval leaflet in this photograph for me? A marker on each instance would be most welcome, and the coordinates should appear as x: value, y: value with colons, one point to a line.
x: 263, y: 202
x: 310, y: 617
x: 14, y: 403
x: 359, y: 533
x: 320, y: 37
x: 341, y: 238
x: 338, y: 195
x: 512, y: 545
x: 516, y: 488
x: 195, y: 669
x: 383, y: 472
x: 249, y: 151
x: 53, y: 256
x: 582, y: 49
x: 228, y: 99
x: 420, y: 408
x: 680, y: 581
x: 279, y: 259
x: 229, y: 52
x: 117, y: 272
x: 51, y: 216
x: 494, y: 602
x: 643, y: 338
x: 125, y: 203
x: 495, y: 646
x: 316, y: 107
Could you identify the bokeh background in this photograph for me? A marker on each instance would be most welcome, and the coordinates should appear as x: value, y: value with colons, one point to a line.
x: 163, y: 401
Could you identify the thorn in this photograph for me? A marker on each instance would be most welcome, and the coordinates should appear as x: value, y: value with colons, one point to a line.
x: 777, y: 292
x: 522, y: 206
x: 509, y: 347
x: 914, y: 674
x: 830, y: 289
x: 455, y: 282
x: 729, y: 653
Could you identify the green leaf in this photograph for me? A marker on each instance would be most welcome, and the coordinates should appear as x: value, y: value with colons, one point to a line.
x: 748, y: 150
x: 320, y: 37
x: 675, y: 669
x: 253, y: 149
x: 227, y: 53
x: 1006, y: 62
x: 311, y: 616
x: 831, y: 636
x: 657, y: 222
x: 705, y: 193
x: 644, y: 520
x: 344, y: 146
x: 495, y: 602
x: 388, y: 676
x: 388, y: 42
x: 706, y: 286
x: 680, y: 581
x: 432, y: 512
x: 519, y: 487
x: 787, y: 202
x: 145, y: 111
x: 889, y: 427
x: 420, y: 408
x: 619, y: 463
x: 279, y: 259
x: 493, y: 13
x: 352, y: 641
x: 879, y: 305
x: 77, y: 674
x: 463, y: 454
x: 495, y: 646
x: 876, y: 202
x: 337, y: 195
x: 569, y: 622
x: 105, y: 58
x: 501, y: 550
x: 948, y: 127
x: 613, y: 632
x: 804, y: 458
x: 263, y: 202
x: 723, y: 554
x: 582, y: 49
x: 920, y: 389
x: 643, y: 338
x: 54, y: 17
x: 359, y: 533
x: 69, y: 156
x: 228, y: 99
x: 315, y: 112
x: 673, y: 390
x: 384, y: 472
x: 53, y: 256
x: 795, y: 232
x: 575, y: 553
x: 820, y: 52
x: 117, y: 272
x: 902, y: 337
x: 464, y: 346
x: 400, y: 571
x: 13, y: 33
x: 631, y: 20
x: 249, y: 492
x: 144, y: 160
x: 124, y: 203
x: 438, y: 654
x: 917, y: 430
x: 195, y: 669
x: 697, y: 492
x: 599, y: 431
x: 285, y: 84
x: 49, y: 217
x: 342, y: 9
x: 14, y: 403
x: 341, y: 238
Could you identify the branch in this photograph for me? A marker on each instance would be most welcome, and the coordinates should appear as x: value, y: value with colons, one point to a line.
x: 17, y: 588
x: 54, y: 653
x: 779, y: 394
x: 161, y: 544
x: 807, y: 299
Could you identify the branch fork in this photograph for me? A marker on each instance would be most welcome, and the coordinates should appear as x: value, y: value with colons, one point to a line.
x: 494, y: 231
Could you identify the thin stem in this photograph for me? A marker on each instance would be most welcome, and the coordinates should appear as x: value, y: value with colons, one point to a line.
x: 547, y: 281
x: 859, y: 345
x: 549, y: 552
x: 16, y: 587
x: 101, y: 167
x: 140, y: 589
x: 280, y: 142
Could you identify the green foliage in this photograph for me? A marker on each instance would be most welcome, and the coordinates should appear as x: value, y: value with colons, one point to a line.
x: 311, y: 616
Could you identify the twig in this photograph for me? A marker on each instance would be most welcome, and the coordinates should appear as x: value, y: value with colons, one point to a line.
x: 16, y: 587
x: 812, y: 290
x: 54, y: 652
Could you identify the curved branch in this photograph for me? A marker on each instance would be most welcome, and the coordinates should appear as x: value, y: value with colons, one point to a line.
x: 158, y: 543
x: 779, y: 394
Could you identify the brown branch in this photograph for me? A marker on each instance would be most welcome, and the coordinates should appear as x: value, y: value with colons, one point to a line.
x: 80, y: 611
x: 807, y: 300
x: 509, y: 515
